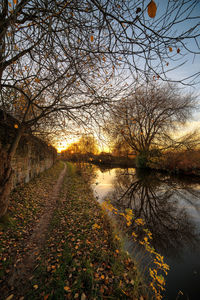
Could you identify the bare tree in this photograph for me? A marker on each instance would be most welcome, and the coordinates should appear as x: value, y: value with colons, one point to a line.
x: 86, y: 145
x: 146, y: 119
x: 121, y: 149
x: 63, y: 58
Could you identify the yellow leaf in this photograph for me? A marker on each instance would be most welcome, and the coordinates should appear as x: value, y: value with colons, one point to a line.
x: 102, y: 276
x: 91, y: 38
x: 134, y: 234
x: 170, y: 49
x: 35, y: 286
x: 67, y: 289
x: 16, y: 126
x: 124, y: 292
x: 152, y: 8
x: 15, y: 2
x: 9, y: 4
x: 9, y: 297
x: 96, y: 226
x: 117, y: 238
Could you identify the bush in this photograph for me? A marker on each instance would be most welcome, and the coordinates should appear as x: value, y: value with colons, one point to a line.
x: 141, y: 160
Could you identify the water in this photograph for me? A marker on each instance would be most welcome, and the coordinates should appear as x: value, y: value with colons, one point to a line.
x: 170, y: 207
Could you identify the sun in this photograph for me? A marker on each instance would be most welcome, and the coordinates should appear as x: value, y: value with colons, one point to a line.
x: 64, y: 144
x: 61, y: 148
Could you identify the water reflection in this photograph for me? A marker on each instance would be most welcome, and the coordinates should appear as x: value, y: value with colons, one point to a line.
x: 170, y: 207
x: 160, y: 201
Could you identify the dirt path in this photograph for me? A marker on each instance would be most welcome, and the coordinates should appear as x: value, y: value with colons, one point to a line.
x: 61, y: 244
x: 24, y: 267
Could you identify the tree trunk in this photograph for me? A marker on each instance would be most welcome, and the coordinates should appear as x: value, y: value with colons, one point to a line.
x: 6, y: 172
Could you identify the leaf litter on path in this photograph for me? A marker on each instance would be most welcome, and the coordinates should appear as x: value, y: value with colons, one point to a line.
x: 78, y: 257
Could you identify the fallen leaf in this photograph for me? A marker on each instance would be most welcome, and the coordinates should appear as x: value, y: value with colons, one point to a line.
x: 35, y: 286
x: 83, y: 296
x: 10, y: 297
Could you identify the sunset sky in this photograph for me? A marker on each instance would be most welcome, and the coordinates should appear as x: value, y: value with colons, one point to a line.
x: 191, y: 65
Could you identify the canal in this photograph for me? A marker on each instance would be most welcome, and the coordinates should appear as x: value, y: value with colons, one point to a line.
x: 170, y: 207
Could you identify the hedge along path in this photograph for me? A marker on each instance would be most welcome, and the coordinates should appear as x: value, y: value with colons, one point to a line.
x: 23, y: 269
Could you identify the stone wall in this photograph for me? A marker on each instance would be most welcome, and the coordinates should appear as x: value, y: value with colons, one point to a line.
x: 32, y: 157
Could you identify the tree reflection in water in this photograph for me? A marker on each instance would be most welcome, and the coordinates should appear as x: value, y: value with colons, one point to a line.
x: 157, y: 199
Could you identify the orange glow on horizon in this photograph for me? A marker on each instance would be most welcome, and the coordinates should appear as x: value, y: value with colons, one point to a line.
x: 63, y: 145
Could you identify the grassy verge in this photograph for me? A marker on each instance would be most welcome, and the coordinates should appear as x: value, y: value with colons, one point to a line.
x: 82, y: 258
x: 26, y: 205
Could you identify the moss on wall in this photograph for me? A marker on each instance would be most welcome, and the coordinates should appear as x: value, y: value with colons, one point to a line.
x: 32, y: 155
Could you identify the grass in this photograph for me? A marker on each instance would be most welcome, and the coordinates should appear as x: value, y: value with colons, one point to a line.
x: 26, y: 203
x: 81, y: 259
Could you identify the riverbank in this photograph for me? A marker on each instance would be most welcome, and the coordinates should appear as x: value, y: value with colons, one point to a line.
x: 117, y: 163
x: 80, y: 257
x: 186, y: 163
x: 175, y: 171
x: 167, y: 166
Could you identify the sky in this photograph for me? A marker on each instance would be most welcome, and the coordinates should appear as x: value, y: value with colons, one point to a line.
x: 191, y: 65
x: 63, y: 144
